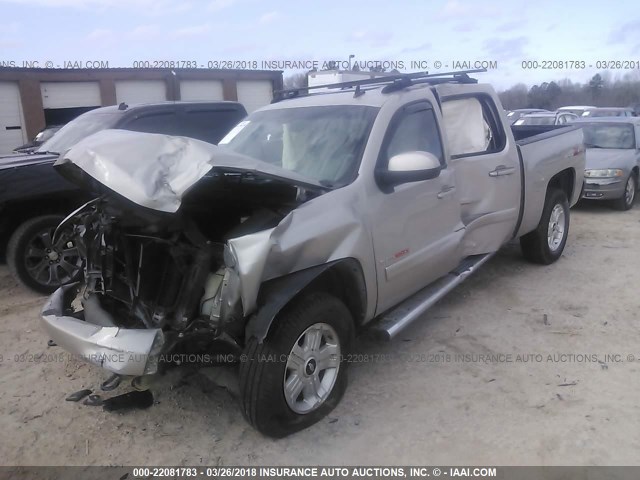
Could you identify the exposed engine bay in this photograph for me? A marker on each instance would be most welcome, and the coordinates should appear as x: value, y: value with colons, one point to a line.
x: 174, y: 271
x: 182, y: 246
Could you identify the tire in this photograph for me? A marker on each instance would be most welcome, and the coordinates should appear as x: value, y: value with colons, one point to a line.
x: 265, y: 368
x: 37, y: 263
x: 537, y: 246
x: 625, y: 202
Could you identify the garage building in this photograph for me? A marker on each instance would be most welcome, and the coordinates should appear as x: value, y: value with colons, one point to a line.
x: 31, y: 99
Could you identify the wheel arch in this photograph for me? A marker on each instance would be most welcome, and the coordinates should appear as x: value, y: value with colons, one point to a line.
x: 343, y: 278
x: 565, y: 181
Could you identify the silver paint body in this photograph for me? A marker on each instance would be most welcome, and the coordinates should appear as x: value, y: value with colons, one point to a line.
x: 403, y: 240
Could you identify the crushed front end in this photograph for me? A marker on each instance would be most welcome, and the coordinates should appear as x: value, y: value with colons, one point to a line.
x: 156, y: 282
x: 142, y: 291
x: 160, y: 270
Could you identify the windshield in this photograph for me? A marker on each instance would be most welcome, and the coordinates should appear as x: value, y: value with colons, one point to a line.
x: 74, y: 131
x: 323, y: 143
x: 546, y: 120
x: 609, y: 136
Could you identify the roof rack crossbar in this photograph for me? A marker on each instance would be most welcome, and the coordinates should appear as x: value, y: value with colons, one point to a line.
x: 460, y: 75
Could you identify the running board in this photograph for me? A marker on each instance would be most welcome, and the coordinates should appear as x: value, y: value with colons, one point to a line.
x: 393, y: 321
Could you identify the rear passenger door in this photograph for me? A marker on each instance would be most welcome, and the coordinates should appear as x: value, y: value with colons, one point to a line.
x: 487, y: 170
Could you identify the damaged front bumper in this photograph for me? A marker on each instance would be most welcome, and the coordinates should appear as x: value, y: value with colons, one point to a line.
x: 120, y: 350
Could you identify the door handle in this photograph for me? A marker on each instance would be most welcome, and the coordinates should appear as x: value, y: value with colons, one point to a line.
x: 502, y: 170
x: 447, y: 190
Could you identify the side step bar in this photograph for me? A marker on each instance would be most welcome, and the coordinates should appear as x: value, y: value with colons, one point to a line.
x: 393, y: 321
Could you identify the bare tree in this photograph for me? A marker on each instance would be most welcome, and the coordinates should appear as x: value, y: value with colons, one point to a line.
x: 297, y: 80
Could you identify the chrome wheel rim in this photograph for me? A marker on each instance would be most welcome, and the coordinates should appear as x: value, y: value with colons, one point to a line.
x: 52, y: 263
x: 312, y: 368
x: 555, y: 231
x: 630, y: 191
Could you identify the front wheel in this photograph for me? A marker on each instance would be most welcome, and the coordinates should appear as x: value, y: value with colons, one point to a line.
x: 545, y: 244
x: 626, y: 201
x: 297, y: 375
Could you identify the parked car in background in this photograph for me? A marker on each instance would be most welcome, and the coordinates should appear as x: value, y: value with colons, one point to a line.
x: 514, y: 115
x: 613, y: 159
x: 34, y: 198
x: 546, y: 118
x: 42, y: 136
x: 575, y: 109
x: 316, y: 216
x: 608, y: 112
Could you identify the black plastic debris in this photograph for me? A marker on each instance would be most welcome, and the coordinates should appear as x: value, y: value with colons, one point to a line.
x: 111, y: 383
x: 79, y: 395
x: 93, y: 401
x: 130, y: 400
x: 51, y: 343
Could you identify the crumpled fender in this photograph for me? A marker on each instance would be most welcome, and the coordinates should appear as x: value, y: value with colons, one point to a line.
x: 308, y: 236
x: 278, y: 292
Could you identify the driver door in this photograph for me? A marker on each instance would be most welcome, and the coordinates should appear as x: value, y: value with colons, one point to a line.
x: 416, y: 226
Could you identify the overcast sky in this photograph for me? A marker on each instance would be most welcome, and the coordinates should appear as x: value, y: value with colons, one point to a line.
x: 123, y: 31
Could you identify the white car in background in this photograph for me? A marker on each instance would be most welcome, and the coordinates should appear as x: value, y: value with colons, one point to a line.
x: 578, y: 110
x: 546, y: 118
x: 515, y: 115
x: 608, y: 112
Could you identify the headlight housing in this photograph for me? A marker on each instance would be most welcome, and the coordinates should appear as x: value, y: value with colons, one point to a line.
x: 604, y: 173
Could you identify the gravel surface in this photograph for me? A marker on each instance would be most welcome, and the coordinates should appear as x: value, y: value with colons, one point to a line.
x: 510, y: 368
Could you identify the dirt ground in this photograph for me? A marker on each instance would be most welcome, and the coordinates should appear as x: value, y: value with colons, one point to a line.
x: 510, y: 368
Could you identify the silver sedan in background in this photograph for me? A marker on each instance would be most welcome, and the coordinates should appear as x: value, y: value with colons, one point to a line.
x: 613, y: 159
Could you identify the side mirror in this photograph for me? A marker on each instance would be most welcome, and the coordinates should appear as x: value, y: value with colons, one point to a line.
x: 410, y: 167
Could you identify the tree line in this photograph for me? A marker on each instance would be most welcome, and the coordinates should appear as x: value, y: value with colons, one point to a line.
x: 601, y: 91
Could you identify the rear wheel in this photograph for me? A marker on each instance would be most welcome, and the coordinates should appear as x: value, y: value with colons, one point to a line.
x: 625, y: 202
x: 38, y: 262
x: 296, y: 376
x: 545, y: 244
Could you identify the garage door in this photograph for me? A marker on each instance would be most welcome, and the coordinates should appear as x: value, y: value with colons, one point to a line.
x: 141, y: 91
x: 254, y: 94
x: 12, y: 132
x: 70, y: 94
x: 201, y: 90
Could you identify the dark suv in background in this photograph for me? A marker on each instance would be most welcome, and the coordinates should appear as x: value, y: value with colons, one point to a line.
x: 34, y: 198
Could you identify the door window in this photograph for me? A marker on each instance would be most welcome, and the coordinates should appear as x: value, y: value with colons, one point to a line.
x: 415, y: 130
x: 161, y: 122
x: 472, y: 126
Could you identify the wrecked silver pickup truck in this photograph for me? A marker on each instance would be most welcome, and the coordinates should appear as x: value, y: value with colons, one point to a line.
x: 314, y: 217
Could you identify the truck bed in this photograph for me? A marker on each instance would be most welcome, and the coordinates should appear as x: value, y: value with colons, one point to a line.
x: 525, y: 134
x: 542, y: 148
